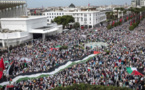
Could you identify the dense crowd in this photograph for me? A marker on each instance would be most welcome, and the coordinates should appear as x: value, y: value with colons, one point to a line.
x: 126, y: 48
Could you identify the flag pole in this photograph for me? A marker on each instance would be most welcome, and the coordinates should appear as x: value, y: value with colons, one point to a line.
x: 8, y: 49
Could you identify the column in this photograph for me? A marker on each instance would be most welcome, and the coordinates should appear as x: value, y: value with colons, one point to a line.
x: 14, y: 11
x: 19, y: 11
x: 3, y: 43
x: 0, y: 13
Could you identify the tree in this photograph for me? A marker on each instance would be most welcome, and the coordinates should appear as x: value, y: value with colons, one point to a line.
x: 58, y: 20
x: 108, y: 15
x: 64, y: 20
x: 76, y: 25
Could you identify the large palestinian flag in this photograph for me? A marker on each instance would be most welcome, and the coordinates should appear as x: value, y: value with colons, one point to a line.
x: 134, y: 71
x: 51, y: 71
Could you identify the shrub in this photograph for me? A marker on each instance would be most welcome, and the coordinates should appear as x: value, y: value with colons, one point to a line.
x: 109, y: 27
x: 64, y: 47
x: 131, y: 27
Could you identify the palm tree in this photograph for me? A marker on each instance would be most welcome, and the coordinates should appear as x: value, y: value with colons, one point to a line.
x: 108, y: 15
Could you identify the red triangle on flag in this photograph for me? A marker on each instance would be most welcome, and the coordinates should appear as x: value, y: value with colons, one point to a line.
x: 136, y: 73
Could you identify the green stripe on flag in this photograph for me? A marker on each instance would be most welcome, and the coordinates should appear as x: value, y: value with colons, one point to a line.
x: 57, y: 46
x: 129, y: 70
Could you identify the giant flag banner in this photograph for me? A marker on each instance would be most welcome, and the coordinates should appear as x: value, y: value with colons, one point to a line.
x: 51, y: 71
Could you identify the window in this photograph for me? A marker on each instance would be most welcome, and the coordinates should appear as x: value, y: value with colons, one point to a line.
x: 77, y: 19
x: 81, y: 19
x: 52, y: 13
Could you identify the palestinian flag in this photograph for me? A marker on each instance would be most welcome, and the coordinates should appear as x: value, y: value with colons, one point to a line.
x: 57, y: 46
x: 52, y: 71
x: 10, y: 69
x: 89, y: 69
x: 134, y: 71
x: 96, y: 52
x: 54, y: 49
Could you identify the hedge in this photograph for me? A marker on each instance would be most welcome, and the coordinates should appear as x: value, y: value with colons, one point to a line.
x: 134, y: 25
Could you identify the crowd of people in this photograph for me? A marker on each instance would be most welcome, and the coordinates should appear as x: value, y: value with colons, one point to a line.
x: 125, y: 49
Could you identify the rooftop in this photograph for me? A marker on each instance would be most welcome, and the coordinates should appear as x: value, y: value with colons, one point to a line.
x: 71, y: 6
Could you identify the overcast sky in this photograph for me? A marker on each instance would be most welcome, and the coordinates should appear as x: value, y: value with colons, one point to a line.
x: 48, y: 3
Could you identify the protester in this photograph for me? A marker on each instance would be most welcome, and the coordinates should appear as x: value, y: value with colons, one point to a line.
x: 125, y: 49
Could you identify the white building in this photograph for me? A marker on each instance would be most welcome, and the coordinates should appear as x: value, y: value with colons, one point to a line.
x: 137, y: 3
x: 142, y: 2
x: 87, y: 18
x: 18, y: 30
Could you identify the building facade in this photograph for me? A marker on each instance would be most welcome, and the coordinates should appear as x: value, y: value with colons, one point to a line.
x: 142, y: 2
x: 137, y: 3
x: 85, y: 18
x: 19, y: 30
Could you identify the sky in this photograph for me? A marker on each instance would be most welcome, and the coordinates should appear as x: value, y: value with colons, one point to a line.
x: 49, y: 3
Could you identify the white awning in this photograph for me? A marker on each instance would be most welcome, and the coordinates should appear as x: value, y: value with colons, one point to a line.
x: 44, y: 30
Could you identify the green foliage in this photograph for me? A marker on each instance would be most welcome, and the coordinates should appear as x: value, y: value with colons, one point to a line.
x: 90, y: 87
x: 115, y: 24
x: 76, y: 25
x: 131, y: 27
x: 63, y: 47
x: 134, y: 25
x: 58, y: 20
x: 109, y: 27
x: 64, y: 20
